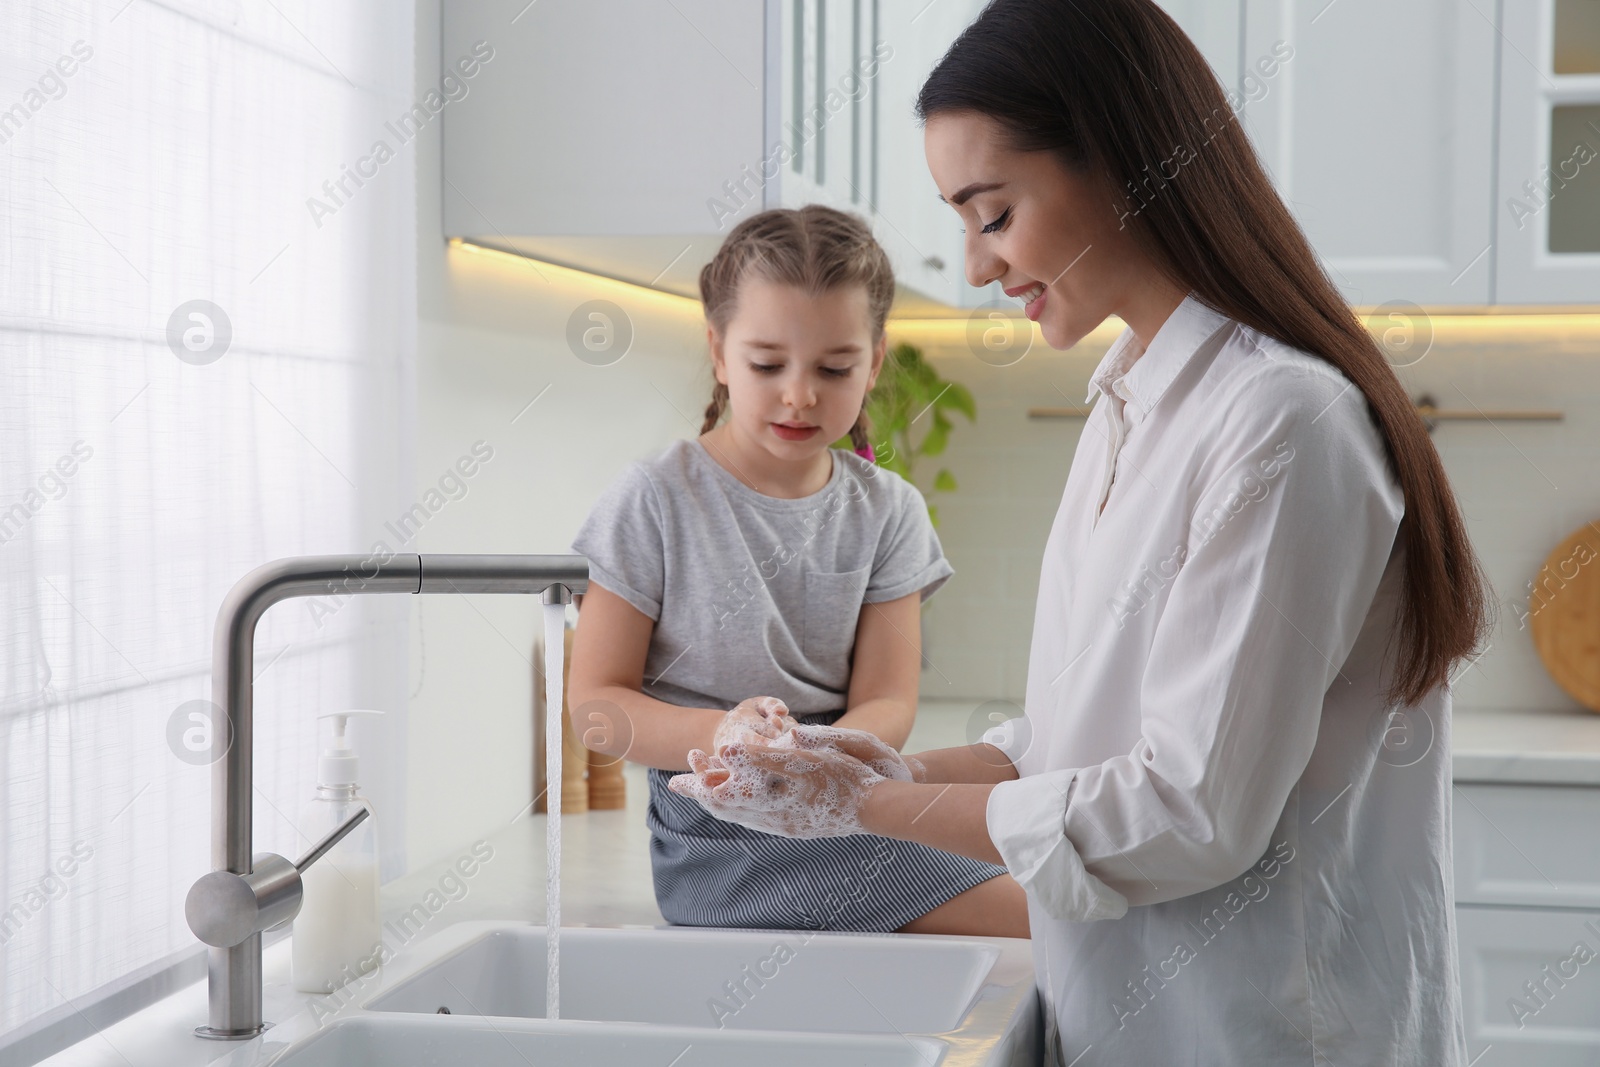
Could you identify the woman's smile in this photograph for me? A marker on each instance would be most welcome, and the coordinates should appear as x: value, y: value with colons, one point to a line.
x: 1033, y: 298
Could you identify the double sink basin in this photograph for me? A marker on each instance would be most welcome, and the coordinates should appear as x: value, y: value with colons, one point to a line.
x: 673, y: 997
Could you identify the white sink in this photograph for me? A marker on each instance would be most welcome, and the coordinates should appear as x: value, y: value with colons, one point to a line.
x: 445, y: 1041
x: 650, y: 995
x: 726, y: 979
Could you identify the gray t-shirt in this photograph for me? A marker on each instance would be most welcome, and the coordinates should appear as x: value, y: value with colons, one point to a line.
x: 755, y: 595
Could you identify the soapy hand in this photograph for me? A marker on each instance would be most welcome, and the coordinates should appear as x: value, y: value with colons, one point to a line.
x: 867, y: 747
x: 781, y: 787
x: 757, y: 721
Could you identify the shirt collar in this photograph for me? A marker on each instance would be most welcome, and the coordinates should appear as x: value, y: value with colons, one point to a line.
x: 1145, y: 373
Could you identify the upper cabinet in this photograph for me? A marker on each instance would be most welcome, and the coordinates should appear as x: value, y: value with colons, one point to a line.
x: 609, y: 135
x: 921, y: 232
x: 628, y: 139
x: 1378, y: 130
x: 1430, y: 154
x: 1548, y: 205
x: 1213, y: 25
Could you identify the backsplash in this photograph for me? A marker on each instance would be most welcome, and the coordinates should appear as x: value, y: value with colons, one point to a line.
x: 1523, y: 486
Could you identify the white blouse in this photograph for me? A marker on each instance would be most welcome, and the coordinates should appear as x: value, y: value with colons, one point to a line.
x: 1235, y: 851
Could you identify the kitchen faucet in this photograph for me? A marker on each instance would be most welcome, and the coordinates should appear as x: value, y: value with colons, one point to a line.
x: 230, y: 907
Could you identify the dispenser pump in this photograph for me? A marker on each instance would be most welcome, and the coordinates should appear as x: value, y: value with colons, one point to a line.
x: 339, y: 762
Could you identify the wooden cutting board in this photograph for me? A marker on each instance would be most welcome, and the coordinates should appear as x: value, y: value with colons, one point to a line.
x: 1564, y: 614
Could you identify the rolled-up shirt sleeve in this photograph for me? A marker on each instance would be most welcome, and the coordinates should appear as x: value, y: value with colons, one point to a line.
x: 1026, y: 819
x: 1267, y: 605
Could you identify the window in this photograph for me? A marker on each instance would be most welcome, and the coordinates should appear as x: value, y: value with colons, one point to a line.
x: 206, y: 327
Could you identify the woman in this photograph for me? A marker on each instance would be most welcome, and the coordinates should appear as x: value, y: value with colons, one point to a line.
x: 1229, y: 800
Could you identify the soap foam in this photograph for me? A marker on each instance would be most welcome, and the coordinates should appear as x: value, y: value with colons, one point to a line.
x: 738, y: 727
x: 805, y: 793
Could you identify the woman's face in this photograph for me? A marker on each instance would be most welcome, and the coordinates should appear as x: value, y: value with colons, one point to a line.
x: 797, y: 365
x: 1035, y: 225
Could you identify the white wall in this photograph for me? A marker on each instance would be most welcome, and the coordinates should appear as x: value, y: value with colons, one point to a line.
x: 492, y: 335
x: 1522, y: 486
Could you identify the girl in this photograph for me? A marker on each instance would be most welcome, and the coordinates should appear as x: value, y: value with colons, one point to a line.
x: 757, y: 559
x: 1229, y: 799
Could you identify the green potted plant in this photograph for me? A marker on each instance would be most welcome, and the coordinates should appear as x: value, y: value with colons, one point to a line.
x: 910, y: 410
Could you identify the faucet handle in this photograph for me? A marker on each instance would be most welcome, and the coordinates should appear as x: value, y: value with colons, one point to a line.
x: 224, y: 909
x: 334, y: 837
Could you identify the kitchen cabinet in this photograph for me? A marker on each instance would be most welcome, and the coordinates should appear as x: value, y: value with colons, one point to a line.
x: 1527, y: 883
x: 627, y: 139
x: 1530, y: 985
x: 1547, y: 213
x: 1213, y: 25
x: 609, y: 136
x: 828, y: 60
x: 1378, y: 133
x: 1438, y: 152
x: 1430, y: 154
x: 1527, y: 845
x: 921, y: 233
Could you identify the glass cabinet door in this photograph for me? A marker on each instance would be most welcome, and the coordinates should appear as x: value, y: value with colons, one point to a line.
x: 1547, y: 211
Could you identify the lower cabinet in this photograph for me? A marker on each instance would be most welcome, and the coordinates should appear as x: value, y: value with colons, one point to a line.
x: 1528, y: 923
x: 1530, y: 985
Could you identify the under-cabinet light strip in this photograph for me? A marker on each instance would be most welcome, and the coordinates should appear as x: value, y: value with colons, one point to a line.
x: 1516, y: 322
x: 572, y: 275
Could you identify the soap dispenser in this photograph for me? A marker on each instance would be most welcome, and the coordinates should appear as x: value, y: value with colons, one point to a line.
x: 337, y: 933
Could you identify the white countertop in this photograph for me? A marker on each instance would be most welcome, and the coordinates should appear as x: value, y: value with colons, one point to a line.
x: 606, y: 870
x: 1539, y: 747
x: 1487, y: 745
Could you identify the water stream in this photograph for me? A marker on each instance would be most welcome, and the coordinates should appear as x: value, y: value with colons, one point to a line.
x: 555, y: 616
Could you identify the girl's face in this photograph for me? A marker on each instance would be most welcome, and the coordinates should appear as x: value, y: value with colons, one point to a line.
x: 1048, y: 234
x: 797, y: 366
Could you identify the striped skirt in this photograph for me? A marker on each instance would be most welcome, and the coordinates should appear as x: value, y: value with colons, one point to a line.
x: 713, y: 873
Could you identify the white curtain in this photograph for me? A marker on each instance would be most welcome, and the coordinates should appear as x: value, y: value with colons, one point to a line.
x: 207, y: 290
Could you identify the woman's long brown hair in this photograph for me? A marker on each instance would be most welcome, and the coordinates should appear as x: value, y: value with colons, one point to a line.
x: 1117, y: 91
